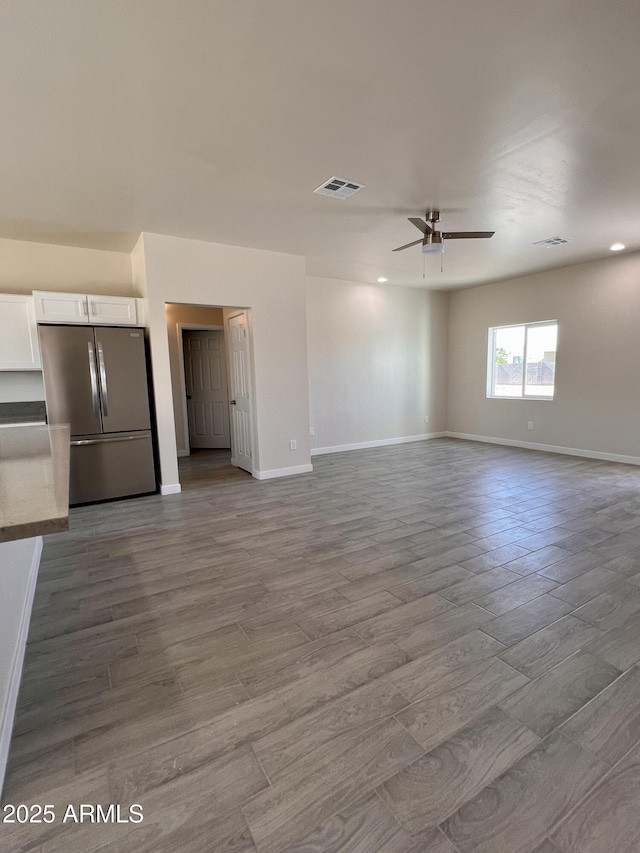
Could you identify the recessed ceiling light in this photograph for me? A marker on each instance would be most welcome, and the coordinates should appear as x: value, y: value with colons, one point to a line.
x: 617, y: 247
x: 382, y: 279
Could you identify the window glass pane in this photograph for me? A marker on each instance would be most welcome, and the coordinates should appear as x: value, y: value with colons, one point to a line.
x: 541, y: 360
x: 508, y: 353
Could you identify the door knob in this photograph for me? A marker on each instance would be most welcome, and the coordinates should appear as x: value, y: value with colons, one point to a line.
x: 188, y: 396
x: 232, y: 402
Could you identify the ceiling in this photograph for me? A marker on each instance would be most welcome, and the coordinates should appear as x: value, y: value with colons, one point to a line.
x: 216, y: 119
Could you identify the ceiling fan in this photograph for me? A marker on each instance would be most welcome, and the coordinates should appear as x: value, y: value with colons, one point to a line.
x: 433, y: 241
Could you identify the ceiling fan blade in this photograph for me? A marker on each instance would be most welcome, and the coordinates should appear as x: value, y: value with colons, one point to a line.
x: 421, y: 224
x: 466, y: 235
x: 400, y: 248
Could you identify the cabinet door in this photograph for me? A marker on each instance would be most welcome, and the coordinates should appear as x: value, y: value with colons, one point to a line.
x: 112, y: 310
x: 19, y: 348
x: 60, y: 307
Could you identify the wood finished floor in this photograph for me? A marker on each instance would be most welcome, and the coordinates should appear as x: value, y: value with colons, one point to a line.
x: 433, y: 647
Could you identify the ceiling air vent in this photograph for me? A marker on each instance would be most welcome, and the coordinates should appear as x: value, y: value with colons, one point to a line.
x: 552, y: 241
x: 338, y: 188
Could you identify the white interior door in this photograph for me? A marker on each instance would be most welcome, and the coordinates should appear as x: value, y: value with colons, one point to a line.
x: 240, y: 408
x: 205, y: 373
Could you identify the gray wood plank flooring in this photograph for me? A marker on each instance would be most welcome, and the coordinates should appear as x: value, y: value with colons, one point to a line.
x: 430, y: 647
x: 609, y: 818
x: 437, y: 784
x: 545, y: 703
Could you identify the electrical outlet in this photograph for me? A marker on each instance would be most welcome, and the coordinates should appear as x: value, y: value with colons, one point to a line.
x: 529, y: 424
x: 426, y: 419
x: 293, y: 444
x: 312, y: 431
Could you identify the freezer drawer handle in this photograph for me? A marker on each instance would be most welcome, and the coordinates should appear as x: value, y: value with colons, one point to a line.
x: 108, y: 440
x: 94, y: 381
x: 103, y: 381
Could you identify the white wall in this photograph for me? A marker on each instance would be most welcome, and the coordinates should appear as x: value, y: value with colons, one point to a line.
x: 18, y: 386
x: 270, y: 284
x: 139, y: 269
x: 596, y: 407
x: 193, y: 314
x: 26, y: 266
x: 377, y: 361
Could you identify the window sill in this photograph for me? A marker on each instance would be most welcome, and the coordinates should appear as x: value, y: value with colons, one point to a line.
x: 528, y: 398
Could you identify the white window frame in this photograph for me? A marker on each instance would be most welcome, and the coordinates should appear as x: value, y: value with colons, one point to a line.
x: 491, y: 361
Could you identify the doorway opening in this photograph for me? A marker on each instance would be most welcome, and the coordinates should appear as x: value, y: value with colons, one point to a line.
x: 212, y: 384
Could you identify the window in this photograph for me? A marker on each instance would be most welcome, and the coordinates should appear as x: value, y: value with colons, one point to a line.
x: 522, y: 361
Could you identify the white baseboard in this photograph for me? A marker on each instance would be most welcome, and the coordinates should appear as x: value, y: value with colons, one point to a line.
x: 171, y: 489
x: 183, y: 453
x: 548, y: 448
x: 383, y: 442
x: 283, y: 472
x: 7, y: 713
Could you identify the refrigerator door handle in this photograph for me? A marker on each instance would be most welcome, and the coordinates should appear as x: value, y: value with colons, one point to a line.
x: 83, y: 441
x: 103, y: 381
x: 94, y: 381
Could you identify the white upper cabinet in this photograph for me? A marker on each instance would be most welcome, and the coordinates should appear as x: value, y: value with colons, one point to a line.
x: 53, y: 307
x: 60, y: 307
x: 19, y: 349
x: 112, y: 310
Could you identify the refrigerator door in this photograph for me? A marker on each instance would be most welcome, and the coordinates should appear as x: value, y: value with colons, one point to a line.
x: 122, y: 372
x: 111, y: 466
x: 71, y: 377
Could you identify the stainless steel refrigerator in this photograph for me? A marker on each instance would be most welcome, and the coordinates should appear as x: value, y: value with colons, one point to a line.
x: 95, y: 379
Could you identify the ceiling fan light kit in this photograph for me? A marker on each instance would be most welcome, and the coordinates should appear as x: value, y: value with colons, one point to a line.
x: 433, y: 244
